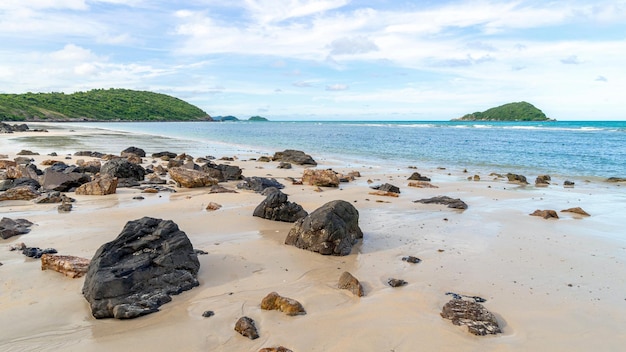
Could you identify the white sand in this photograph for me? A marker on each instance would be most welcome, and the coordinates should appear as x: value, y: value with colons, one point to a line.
x: 522, y: 265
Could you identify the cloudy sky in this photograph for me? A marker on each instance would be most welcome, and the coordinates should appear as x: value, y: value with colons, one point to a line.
x: 327, y: 59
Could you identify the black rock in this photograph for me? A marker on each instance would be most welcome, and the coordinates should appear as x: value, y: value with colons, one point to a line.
x: 396, y: 282
x: 331, y: 229
x: 411, y: 259
x: 168, y: 155
x: 26, y: 181
x: 134, y: 150
x: 417, y: 177
x: 10, y: 227
x: 123, y: 169
x: 36, y: 252
x: 208, y: 314
x: 90, y: 154
x: 387, y: 188
x: 137, y: 272
x: 478, y: 319
x: 294, y: 156
x: 276, y: 207
x: 450, y: 202
x: 258, y: 184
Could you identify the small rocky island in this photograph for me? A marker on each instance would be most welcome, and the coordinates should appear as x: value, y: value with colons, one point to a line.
x: 520, y: 111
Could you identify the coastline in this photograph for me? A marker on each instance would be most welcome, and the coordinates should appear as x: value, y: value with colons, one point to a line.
x: 522, y: 265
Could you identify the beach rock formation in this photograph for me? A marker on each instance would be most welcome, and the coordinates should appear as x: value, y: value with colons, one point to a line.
x: 123, y: 169
x: 289, y: 306
x: 350, y: 283
x: 454, y: 203
x: 102, y: 185
x: 331, y: 229
x: 89, y: 154
x: 137, y: 272
x: 517, y: 178
x: 188, y: 178
x: 223, y: 172
x: 10, y: 227
x: 387, y: 187
x: 417, y: 177
x: 36, y: 252
x: 475, y: 316
x: 52, y: 197
x: 616, y: 179
x: 246, y: 327
x: 63, y: 181
x: 258, y: 184
x: 165, y: 156
x: 576, y: 210
x: 543, y: 180
x: 396, y: 282
x: 422, y: 184
x: 5, y: 164
x: 276, y: 207
x: 546, y: 214
x: 67, y: 265
x: 321, y: 178
x: 133, y: 150
x: 297, y: 157
x: 20, y: 193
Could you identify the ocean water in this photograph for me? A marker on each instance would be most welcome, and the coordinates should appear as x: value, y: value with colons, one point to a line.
x: 568, y: 149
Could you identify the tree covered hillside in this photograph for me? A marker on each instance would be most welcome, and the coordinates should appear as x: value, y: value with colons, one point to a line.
x: 521, y: 111
x: 98, y: 105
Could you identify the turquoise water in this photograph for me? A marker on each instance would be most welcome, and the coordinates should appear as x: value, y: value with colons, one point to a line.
x: 568, y: 149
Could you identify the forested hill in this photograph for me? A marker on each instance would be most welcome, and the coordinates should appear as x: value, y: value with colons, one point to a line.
x: 521, y: 111
x: 98, y: 105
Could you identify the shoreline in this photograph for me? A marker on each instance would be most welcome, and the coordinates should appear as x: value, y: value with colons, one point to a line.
x: 522, y: 265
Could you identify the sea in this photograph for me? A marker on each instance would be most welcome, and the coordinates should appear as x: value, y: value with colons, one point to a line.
x: 569, y: 149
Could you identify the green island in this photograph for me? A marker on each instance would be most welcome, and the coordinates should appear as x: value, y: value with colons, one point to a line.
x: 257, y: 118
x: 98, y: 105
x: 521, y: 111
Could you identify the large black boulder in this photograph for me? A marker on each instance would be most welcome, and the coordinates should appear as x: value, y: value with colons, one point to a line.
x: 137, y: 272
x: 276, y: 207
x: 294, y: 156
x: 258, y: 184
x: 331, y: 229
x: 123, y: 169
x: 133, y: 150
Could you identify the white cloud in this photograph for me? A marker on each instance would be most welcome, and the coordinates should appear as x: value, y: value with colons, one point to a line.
x: 353, y: 45
x: 268, y: 11
x: 337, y: 87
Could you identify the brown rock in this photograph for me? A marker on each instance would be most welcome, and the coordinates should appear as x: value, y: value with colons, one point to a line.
x: 474, y: 315
x: 274, y: 301
x: 6, y: 163
x: 49, y: 162
x: 542, y: 180
x: 65, y: 264
x: 20, y: 193
x: 546, y: 214
x: 212, y: 206
x: 191, y: 178
x: 275, y: 349
x: 576, y: 210
x: 384, y: 194
x: 246, y: 327
x: 350, y: 283
x: 101, y: 186
x: 323, y: 178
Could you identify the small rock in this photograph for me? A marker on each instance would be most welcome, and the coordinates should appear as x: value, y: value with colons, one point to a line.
x: 65, y: 207
x: 36, y: 252
x: 208, y: 314
x: 546, y: 214
x: 67, y: 265
x: 350, y: 283
x: 10, y: 227
x: 275, y: 349
x: 568, y: 184
x: 411, y: 259
x: 396, y: 282
x: 212, y: 206
x: 289, y: 306
x: 477, y: 318
x: 576, y: 210
x: 417, y: 177
x: 422, y: 184
x: 246, y: 327
x: 445, y: 200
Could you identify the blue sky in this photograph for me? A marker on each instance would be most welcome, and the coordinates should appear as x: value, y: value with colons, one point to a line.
x: 327, y: 59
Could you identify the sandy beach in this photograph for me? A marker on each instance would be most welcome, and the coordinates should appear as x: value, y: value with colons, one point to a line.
x: 554, y: 285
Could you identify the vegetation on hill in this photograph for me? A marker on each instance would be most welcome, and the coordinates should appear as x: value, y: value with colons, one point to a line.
x: 521, y: 111
x: 257, y: 118
x: 98, y: 105
x: 225, y: 118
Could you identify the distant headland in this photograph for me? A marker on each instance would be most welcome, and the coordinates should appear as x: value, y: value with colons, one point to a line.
x: 102, y: 105
x: 521, y: 111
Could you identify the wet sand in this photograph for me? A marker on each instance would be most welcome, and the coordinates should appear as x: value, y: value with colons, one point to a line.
x: 553, y: 284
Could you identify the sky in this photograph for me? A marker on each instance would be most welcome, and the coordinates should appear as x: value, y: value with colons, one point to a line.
x: 327, y: 59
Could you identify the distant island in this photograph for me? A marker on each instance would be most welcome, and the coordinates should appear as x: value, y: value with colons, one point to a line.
x: 234, y: 118
x: 98, y: 105
x: 521, y: 111
x: 257, y: 118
